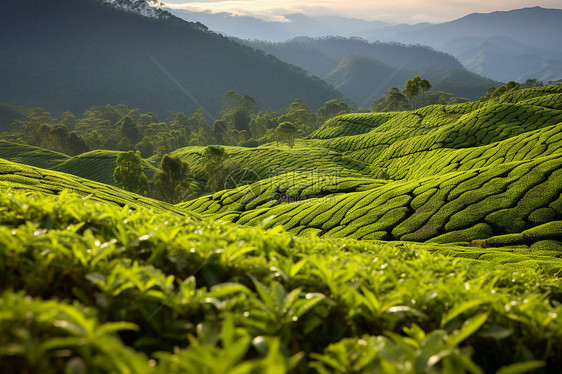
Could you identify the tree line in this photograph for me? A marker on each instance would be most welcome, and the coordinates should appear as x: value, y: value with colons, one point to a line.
x: 120, y: 128
x: 143, y: 136
x: 416, y: 93
x: 174, y: 181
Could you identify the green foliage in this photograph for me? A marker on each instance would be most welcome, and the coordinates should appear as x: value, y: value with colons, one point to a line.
x: 470, y: 174
x: 214, y: 166
x: 97, y: 288
x: 39, y: 128
x: 416, y: 86
x: 129, y: 173
x: 331, y: 109
x: 286, y: 133
x: 22, y: 177
x: 395, y: 101
x: 173, y: 182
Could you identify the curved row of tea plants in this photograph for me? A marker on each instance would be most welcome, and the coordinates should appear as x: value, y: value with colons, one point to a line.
x: 487, y: 174
x: 28, y: 178
x: 97, y: 165
x: 517, y: 203
x: 92, y: 287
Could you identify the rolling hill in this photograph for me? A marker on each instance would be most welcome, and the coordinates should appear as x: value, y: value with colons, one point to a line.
x: 96, y: 165
x: 517, y: 44
x: 433, y: 236
x: 16, y: 176
x: 502, y: 45
x: 505, y: 59
x: 486, y: 174
x: 287, y: 27
x: 70, y: 55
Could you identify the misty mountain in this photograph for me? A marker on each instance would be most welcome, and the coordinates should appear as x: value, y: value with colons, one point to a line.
x: 364, y: 79
x: 505, y: 59
x: 508, y: 45
x: 363, y: 71
x: 526, y: 41
x: 319, y: 56
x: 73, y: 54
x: 536, y: 26
x: 294, y: 25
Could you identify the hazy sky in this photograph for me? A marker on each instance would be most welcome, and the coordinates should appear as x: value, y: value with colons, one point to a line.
x: 408, y: 11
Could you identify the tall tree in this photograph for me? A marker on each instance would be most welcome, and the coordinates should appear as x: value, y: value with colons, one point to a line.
x: 130, y: 130
x: 129, y: 173
x: 331, y: 109
x: 286, y: 133
x: 300, y: 115
x: 425, y: 86
x: 173, y: 181
x: 396, y: 100
x: 214, y: 159
x: 412, y: 89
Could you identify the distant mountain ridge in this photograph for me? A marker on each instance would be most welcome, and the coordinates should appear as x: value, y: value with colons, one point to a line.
x: 536, y: 26
x: 363, y: 71
x: 532, y: 37
x: 73, y: 54
x: 297, y: 24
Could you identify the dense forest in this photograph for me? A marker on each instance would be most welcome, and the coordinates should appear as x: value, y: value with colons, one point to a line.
x: 145, y: 137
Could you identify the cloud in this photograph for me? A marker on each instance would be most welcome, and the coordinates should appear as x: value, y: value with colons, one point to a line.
x: 409, y: 11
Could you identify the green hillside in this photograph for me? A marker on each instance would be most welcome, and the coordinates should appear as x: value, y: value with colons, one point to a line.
x: 486, y: 174
x: 402, y: 242
x: 22, y: 177
x: 30, y: 155
x: 96, y: 165
x: 101, y: 55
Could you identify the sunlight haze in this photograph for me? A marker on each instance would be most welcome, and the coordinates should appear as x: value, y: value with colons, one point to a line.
x: 397, y: 11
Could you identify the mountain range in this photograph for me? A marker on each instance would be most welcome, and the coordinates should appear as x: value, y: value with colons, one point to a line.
x: 68, y: 55
x: 523, y: 43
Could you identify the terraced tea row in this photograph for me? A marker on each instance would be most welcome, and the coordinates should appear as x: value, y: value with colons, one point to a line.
x: 408, y: 145
x: 93, y: 288
x: 95, y: 165
x: 512, y: 203
x: 487, y: 173
x: 278, y: 192
x: 27, y: 178
x: 287, y: 188
x: 270, y: 161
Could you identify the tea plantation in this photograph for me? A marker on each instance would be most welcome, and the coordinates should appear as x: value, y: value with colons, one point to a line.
x: 485, y: 174
x: 93, y: 287
x: 404, y: 242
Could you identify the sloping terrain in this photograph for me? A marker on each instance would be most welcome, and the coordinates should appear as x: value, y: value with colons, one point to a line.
x: 73, y: 54
x: 96, y: 165
x: 90, y: 287
x: 484, y: 173
x: 22, y: 177
x: 504, y: 59
x: 363, y: 71
x: 96, y: 279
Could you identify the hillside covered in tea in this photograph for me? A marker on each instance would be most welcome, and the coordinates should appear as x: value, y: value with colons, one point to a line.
x: 394, y: 242
x: 486, y: 173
